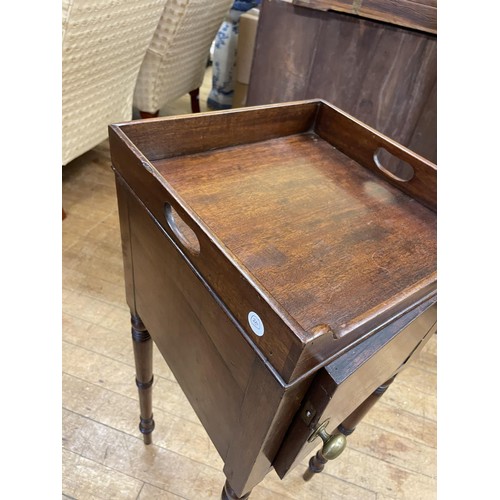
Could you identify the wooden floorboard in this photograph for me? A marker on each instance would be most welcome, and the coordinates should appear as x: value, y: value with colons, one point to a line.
x: 392, y: 454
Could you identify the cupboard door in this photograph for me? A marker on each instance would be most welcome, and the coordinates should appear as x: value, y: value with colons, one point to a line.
x: 342, y: 386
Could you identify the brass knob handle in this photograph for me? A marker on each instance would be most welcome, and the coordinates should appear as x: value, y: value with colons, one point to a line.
x: 333, y: 444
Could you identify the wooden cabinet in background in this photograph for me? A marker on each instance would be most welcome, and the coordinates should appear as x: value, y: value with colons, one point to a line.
x: 378, y: 65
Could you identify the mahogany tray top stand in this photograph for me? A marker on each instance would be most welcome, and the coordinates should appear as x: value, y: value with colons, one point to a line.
x: 284, y: 270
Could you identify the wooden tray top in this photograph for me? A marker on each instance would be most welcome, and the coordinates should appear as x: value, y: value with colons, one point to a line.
x: 330, y: 241
x: 299, y: 210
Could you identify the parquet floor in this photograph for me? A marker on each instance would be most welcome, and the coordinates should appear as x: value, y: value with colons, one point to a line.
x: 392, y: 454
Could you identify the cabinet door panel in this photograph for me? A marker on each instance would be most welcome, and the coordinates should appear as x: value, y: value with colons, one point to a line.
x: 339, y: 388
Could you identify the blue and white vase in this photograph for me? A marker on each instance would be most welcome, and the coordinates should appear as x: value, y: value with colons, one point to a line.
x: 224, y: 56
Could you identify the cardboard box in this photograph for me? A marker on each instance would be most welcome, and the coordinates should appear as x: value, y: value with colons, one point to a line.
x: 244, y: 56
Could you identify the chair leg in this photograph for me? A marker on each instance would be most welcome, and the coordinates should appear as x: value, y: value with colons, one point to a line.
x: 145, y: 114
x: 195, y: 100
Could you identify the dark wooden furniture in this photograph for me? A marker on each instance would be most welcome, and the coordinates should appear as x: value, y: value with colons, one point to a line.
x: 282, y: 270
x: 374, y: 59
x: 415, y: 14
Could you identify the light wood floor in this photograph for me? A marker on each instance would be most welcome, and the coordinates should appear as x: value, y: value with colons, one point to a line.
x: 392, y: 454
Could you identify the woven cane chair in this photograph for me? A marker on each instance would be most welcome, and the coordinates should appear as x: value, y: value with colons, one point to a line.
x: 176, y: 60
x: 103, y: 46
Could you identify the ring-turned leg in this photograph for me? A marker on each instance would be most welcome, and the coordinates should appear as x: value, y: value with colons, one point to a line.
x: 318, y: 461
x: 143, y: 354
x: 229, y: 494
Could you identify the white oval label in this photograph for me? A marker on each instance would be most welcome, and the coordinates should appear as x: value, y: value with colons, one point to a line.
x: 255, y: 323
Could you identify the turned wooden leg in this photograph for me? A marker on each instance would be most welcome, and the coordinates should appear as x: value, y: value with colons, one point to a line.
x: 349, y: 424
x: 229, y: 494
x: 195, y: 100
x: 145, y: 114
x: 333, y: 445
x: 316, y: 465
x: 318, y: 461
x: 143, y: 354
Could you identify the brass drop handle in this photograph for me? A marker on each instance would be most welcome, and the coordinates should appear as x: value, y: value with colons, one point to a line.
x: 333, y: 446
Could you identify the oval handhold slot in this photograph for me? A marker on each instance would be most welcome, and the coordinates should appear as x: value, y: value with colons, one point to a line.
x: 393, y: 166
x: 184, y: 233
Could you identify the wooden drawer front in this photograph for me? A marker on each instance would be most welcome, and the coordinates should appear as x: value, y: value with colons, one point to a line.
x: 344, y: 384
x: 208, y: 356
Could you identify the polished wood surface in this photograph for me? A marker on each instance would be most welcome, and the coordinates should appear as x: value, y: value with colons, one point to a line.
x: 388, y: 268
x: 144, y: 379
x: 297, y: 220
x: 382, y: 74
x: 351, y: 380
x: 392, y: 454
x: 347, y: 427
x: 317, y: 179
x: 221, y: 373
x: 415, y: 14
x: 188, y: 330
x: 167, y: 137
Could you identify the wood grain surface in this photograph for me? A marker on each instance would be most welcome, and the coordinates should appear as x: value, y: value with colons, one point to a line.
x: 391, y: 455
x: 415, y: 14
x: 382, y: 74
x: 286, y: 245
x: 326, y: 239
x: 351, y: 380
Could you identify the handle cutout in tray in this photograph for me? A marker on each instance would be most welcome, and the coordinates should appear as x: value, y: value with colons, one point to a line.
x: 393, y: 166
x: 184, y: 233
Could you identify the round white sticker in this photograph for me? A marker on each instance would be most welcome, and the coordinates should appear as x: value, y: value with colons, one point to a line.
x: 255, y: 323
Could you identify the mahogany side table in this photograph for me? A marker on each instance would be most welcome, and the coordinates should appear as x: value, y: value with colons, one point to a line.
x: 284, y: 271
